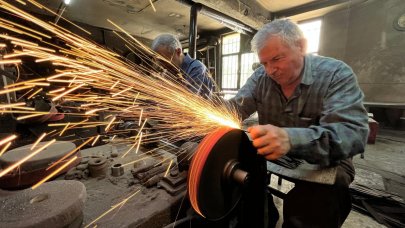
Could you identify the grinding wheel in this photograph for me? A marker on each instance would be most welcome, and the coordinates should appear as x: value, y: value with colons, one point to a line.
x: 211, y: 193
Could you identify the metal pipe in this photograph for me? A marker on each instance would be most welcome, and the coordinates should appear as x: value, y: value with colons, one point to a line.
x: 226, y: 20
x: 222, y: 18
x: 192, y: 47
x: 314, y: 5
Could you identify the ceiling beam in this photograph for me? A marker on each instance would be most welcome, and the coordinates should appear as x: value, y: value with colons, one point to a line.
x: 224, y: 19
x: 315, y: 5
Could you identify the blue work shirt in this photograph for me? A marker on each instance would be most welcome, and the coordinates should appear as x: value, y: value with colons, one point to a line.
x: 197, y: 76
x: 324, y: 118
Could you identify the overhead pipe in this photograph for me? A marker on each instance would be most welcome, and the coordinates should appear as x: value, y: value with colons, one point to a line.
x: 218, y: 16
x: 315, y: 5
x: 226, y: 20
x: 192, y: 47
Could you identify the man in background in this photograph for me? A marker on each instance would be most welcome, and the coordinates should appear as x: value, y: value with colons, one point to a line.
x: 194, y: 72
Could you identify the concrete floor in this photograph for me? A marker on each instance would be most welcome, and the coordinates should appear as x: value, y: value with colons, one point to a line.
x: 382, y: 168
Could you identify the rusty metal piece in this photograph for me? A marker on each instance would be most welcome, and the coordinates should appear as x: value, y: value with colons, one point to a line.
x: 143, y: 166
x: 153, y: 180
x: 85, y: 174
x: 373, y: 126
x: 143, y: 177
x: 117, y: 170
x: 185, y: 153
x: 85, y: 160
x: 174, y: 172
x: 74, y: 174
x: 174, y: 184
x: 82, y: 166
x: 98, y: 166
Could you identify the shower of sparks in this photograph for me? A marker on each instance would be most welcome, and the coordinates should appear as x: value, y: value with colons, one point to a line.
x: 135, y: 161
x: 139, y: 143
x: 70, y: 153
x: 5, y: 148
x: 36, y: 92
x: 3, y: 106
x: 54, y: 173
x: 108, y: 88
x: 31, y: 116
x: 15, y: 89
x: 15, y: 165
x: 120, y: 204
x: 38, y: 140
x: 95, y: 140
x: 64, y: 129
x: 8, y: 139
x: 168, y: 168
x: 153, y: 7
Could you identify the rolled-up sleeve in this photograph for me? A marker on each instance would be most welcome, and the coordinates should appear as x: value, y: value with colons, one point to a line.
x: 343, y: 126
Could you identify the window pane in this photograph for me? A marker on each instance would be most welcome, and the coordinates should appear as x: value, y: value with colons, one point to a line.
x: 312, y: 31
x: 246, y: 66
x: 230, y: 44
x: 230, y: 72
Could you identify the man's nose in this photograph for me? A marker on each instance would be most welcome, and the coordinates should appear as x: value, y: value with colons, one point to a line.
x: 270, y: 69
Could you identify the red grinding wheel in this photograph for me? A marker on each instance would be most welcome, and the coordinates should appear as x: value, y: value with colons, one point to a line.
x: 211, y: 194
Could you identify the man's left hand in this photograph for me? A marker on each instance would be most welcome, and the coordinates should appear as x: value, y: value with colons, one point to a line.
x: 272, y: 142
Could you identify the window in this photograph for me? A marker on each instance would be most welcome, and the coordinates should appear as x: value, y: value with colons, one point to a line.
x: 230, y: 63
x: 246, y: 66
x: 236, y: 66
x: 312, y: 31
x: 230, y: 72
x: 231, y: 44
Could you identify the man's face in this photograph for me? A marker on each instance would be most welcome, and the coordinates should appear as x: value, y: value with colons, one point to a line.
x: 282, y: 62
x: 172, y: 57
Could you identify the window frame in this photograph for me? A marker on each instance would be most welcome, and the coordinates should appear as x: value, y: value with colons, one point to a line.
x: 239, y: 55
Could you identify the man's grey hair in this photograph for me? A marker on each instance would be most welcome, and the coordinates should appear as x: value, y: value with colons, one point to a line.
x: 287, y: 30
x: 168, y: 41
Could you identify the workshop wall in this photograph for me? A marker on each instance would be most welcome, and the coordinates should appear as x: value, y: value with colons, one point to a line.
x: 368, y: 37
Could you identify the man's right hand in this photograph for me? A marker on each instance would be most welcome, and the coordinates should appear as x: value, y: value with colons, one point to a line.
x: 271, y: 142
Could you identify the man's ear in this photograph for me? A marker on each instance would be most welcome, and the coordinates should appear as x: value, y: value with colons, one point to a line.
x: 178, y: 51
x: 302, y: 45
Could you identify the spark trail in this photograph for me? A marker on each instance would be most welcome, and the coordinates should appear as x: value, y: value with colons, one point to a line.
x: 102, y: 81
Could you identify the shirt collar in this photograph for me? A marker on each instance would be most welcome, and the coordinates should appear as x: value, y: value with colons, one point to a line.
x: 186, y: 61
x: 307, y: 78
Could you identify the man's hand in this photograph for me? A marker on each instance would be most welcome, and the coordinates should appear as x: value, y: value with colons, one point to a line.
x: 272, y: 142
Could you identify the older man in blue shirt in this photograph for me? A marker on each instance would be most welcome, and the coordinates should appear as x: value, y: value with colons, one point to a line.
x: 309, y: 107
x: 195, y: 73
